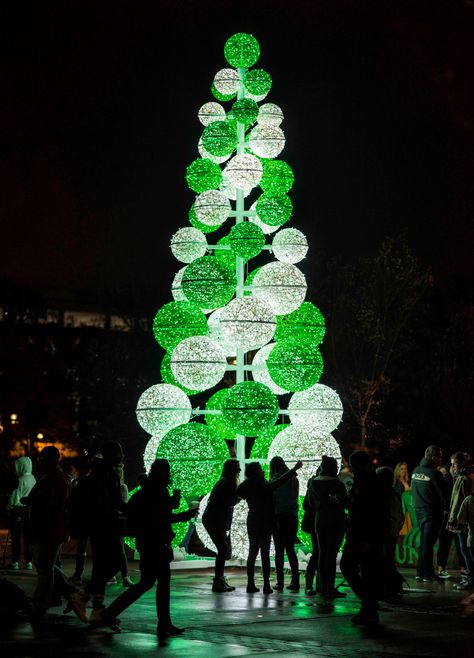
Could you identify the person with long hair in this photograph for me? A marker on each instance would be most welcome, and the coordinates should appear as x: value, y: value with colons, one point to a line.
x: 217, y: 519
x: 285, y: 502
x: 151, y: 509
x: 402, y: 478
x: 258, y: 493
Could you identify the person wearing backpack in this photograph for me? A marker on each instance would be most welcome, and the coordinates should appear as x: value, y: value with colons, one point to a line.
x: 327, y: 495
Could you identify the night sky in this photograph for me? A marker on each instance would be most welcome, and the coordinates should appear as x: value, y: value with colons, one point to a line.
x: 98, y: 123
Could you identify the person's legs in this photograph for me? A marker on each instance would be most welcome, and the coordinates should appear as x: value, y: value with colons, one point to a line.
x: 15, y: 526
x: 312, y: 564
x: 81, y: 555
x: 219, y: 538
x: 265, y: 541
x: 289, y: 528
x: 254, y: 547
x: 279, y: 545
x: 106, y: 554
x: 333, y: 540
x: 148, y: 575
x: 466, y: 553
x: 431, y: 528
x: 422, y: 519
x: 444, y: 545
x: 350, y: 567
x: 163, y: 589
x: 45, y: 555
x: 371, y: 566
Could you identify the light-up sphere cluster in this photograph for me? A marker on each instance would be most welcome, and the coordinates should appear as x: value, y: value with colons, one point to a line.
x: 243, y: 171
x: 226, y: 257
x: 194, y: 221
x: 266, y: 228
x: 295, y: 366
x: 318, y: 407
x: 202, y: 175
x: 263, y: 441
x: 215, y: 332
x: 280, y: 285
x: 161, y: 407
x: 278, y: 177
x: 188, y: 243
x: 250, y: 407
x: 267, y: 141
x: 217, y: 422
x: 176, y: 321
x: 246, y: 240
x: 168, y: 376
x: 260, y: 370
x: 305, y: 323
x: 212, y: 208
x: 210, y: 112
x: 245, y: 110
x: 247, y: 322
x: 290, y: 245
x: 196, y: 456
x: 270, y: 114
x: 241, y: 50
x: 218, y: 159
x: 226, y: 82
x: 258, y: 82
x: 295, y: 442
x: 198, y: 363
x: 219, y: 138
x: 274, y: 209
x: 207, y: 283
x: 230, y: 191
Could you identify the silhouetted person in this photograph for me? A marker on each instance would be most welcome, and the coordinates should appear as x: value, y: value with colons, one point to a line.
x: 150, y: 510
x: 393, y: 581
x: 368, y: 528
x: 307, y: 525
x: 100, y: 501
x: 463, y: 486
x: 328, y: 497
x: 260, y: 519
x: 18, y: 513
x: 447, y: 537
x: 217, y: 519
x: 47, y: 502
x: 429, y: 501
x: 285, y: 504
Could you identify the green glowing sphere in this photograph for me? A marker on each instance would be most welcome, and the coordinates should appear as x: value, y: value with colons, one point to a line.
x: 264, y: 440
x: 194, y: 220
x: 306, y: 323
x: 196, y: 455
x: 274, y: 209
x: 220, y: 96
x: 277, y: 177
x: 250, y: 408
x: 245, y: 110
x: 202, y: 175
x: 225, y: 257
x: 246, y: 240
x: 249, y: 280
x: 169, y: 378
x: 258, y: 82
x: 207, y: 283
x: 295, y: 367
x: 176, y: 321
x: 217, y: 422
x: 219, y: 138
x: 242, y: 50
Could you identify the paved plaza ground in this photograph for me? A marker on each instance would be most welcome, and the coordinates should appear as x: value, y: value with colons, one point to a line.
x: 430, y: 622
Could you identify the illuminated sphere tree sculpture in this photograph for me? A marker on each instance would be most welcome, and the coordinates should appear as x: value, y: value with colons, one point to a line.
x: 239, y: 331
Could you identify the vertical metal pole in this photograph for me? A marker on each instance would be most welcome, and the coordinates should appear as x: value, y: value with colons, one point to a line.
x: 239, y: 267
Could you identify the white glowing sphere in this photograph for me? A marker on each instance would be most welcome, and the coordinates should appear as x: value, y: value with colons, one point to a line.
x: 230, y: 191
x: 227, y: 81
x: 247, y: 322
x: 281, y: 285
x: 260, y: 371
x: 162, y: 407
x: 210, y: 112
x: 290, y: 245
x: 295, y: 442
x: 215, y: 332
x: 151, y: 447
x: 267, y: 141
x: 212, y: 207
x: 266, y: 228
x: 214, y: 158
x: 270, y: 114
x: 188, y: 243
x: 176, y: 287
x: 238, y: 532
x: 243, y: 171
x: 255, y: 97
x: 319, y: 407
x: 198, y: 363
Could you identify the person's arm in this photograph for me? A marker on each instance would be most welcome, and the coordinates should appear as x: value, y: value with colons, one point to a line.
x: 276, y: 484
x: 189, y: 514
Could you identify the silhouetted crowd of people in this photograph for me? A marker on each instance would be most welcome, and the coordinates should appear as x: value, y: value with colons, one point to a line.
x: 361, y: 508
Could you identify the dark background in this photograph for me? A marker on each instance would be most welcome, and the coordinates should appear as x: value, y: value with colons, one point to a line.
x: 98, y: 123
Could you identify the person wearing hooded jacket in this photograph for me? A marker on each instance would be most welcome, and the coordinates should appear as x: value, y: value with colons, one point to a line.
x: 430, y: 503
x: 17, y: 513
